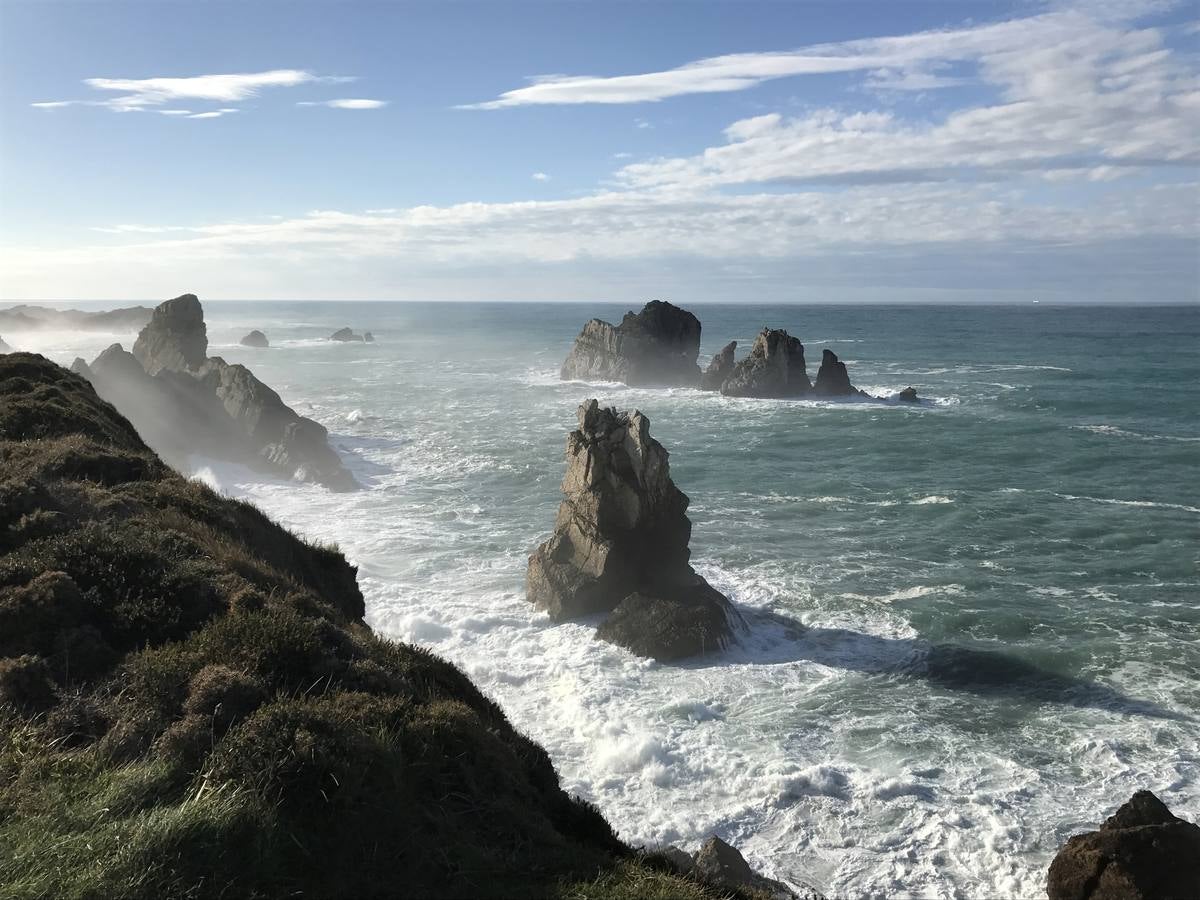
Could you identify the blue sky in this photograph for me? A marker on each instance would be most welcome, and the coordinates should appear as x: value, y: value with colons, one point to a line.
x: 775, y: 152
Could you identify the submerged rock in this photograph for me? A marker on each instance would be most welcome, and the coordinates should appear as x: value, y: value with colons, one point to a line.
x: 774, y: 368
x: 719, y: 368
x: 175, y: 337
x: 184, y: 404
x: 620, y: 545
x: 654, y: 348
x: 255, y: 339
x: 832, y: 378
x: 1141, y: 852
x: 345, y: 334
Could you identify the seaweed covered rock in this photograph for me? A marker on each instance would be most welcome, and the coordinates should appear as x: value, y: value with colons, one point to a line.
x: 246, y: 734
x: 832, y: 378
x: 255, y: 339
x: 1141, y: 852
x: 620, y: 545
x: 656, y: 347
x: 184, y: 402
x: 719, y: 368
x: 774, y: 368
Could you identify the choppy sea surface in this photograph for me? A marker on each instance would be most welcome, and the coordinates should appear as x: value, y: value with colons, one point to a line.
x: 974, y: 623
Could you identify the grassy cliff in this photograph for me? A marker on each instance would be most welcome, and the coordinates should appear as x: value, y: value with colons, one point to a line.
x: 191, y: 705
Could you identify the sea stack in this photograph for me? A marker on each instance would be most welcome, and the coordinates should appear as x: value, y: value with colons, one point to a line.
x: 832, y: 378
x: 1141, y: 852
x: 255, y: 339
x: 774, y: 368
x: 620, y: 545
x: 183, y: 402
x: 345, y: 335
x: 719, y: 368
x: 654, y: 348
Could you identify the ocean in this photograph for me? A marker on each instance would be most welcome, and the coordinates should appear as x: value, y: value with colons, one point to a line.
x: 974, y: 623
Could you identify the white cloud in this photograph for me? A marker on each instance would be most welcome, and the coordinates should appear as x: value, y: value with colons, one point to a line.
x: 212, y: 114
x: 347, y: 103
x: 908, y: 62
x: 139, y: 93
x: 540, y: 176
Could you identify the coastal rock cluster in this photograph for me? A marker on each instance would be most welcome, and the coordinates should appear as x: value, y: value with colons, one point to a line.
x: 659, y: 346
x: 184, y: 402
x: 27, y: 317
x: 620, y: 545
x: 347, y: 335
x: 1141, y: 852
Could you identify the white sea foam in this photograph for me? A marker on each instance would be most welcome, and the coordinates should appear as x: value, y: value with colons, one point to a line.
x: 1114, y: 431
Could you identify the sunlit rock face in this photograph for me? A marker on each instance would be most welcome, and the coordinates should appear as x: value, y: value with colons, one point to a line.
x: 620, y: 545
x: 657, y: 347
x: 774, y: 368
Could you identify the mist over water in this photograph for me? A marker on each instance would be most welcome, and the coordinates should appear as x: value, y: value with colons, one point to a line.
x: 974, y: 623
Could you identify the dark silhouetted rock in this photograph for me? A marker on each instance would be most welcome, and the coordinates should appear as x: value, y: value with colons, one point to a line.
x: 908, y: 395
x: 344, y: 335
x: 620, y: 545
x: 368, y: 337
x: 774, y: 368
x: 654, y: 348
x: 832, y: 378
x: 719, y: 368
x: 208, y: 407
x: 175, y: 338
x: 255, y: 339
x: 1142, y: 852
x: 26, y: 317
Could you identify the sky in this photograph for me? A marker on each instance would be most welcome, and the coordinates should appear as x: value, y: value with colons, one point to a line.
x: 779, y: 152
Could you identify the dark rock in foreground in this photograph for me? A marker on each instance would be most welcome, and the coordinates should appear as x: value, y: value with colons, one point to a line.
x: 721, y: 865
x: 1141, y: 852
x: 184, y: 402
x: 832, y: 378
x: 774, y: 368
x: 719, y: 368
x: 620, y: 545
x: 654, y: 348
x: 255, y: 339
x: 345, y: 335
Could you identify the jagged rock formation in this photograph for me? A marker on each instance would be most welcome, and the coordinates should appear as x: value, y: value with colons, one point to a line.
x: 1141, y: 852
x: 255, y: 339
x: 184, y: 402
x: 654, y: 348
x: 719, y: 368
x: 832, y: 378
x: 26, y: 317
x: 346, y: 334
x: 620, y: 545
x: 774, y: 368
x: 908, y: 395
x: 192, y: 706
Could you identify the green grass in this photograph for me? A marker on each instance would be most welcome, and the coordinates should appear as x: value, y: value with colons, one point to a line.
x: 191, y: 705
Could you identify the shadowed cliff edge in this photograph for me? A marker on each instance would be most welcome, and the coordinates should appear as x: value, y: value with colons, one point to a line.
x: 191, y: 704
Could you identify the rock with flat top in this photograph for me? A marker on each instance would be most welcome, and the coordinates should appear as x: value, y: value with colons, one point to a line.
x: 774, y: 368
x: 719, y: 368
x: 656, y: 347
x: 1141, y: 852
x: 620, y: 545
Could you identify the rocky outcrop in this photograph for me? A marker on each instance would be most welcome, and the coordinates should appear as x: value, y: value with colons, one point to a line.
x: 345, y: 335
x: 774, y: 368
x: 255, y: 339
x: 719, y: 368
x: 908, y: 395
x: 654, y: 348
x: 1141, y: 852
x: 832, y: 378
x: 368, y: 337
x: 175, y: 338
x: 620, y: 545
x: 184, y: 403
x: 721, y: 865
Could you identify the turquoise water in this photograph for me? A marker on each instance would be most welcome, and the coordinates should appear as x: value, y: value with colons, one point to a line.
x: 974, y: 623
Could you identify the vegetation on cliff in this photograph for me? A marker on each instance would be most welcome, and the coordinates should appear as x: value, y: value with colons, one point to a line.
x: 191, y: 705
